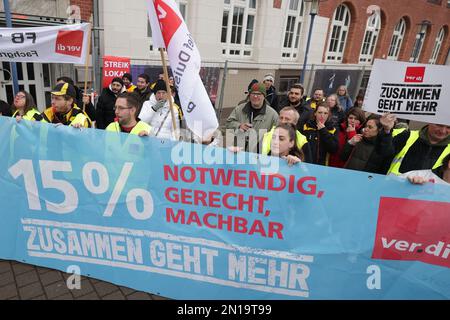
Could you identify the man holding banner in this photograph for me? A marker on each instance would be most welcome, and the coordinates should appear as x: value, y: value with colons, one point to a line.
x: 64, y: 110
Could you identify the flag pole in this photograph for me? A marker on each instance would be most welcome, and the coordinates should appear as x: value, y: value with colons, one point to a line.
x: 169, y: 92
x: 86, y: 64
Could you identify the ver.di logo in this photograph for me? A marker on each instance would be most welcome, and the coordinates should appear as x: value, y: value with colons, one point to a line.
x: 69, y: 42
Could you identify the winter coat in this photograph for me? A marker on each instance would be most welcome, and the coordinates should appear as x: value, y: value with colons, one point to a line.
x: 422, y: 154
x: 369, y: 155
x: 343, y: 137
x: 144, y: 95
x: 263, y: 122
x: 272, y: 98
x: 105, y: 114
x: 322, y: 142
x: 302, y: 108
x: 337, y: 116
x: 345, y: 102
x: 161, y: 119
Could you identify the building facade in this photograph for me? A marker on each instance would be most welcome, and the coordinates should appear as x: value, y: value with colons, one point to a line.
x: 40, y: 78
x: 261, y: 36
x: 240, y: 40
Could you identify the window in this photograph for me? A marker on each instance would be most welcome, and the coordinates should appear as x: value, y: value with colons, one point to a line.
x: 294, y: 20
x: 418, y: 44
x: 286, y: 83
x: 370, y: 38
x: 437, y: 46
x: 339, y: 31
x: 238, y: 27
x: 182, y: 5
x: 397, y: 39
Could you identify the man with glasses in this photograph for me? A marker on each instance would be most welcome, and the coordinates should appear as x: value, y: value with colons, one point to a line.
x: 251, y: 120
x: 126, y: 109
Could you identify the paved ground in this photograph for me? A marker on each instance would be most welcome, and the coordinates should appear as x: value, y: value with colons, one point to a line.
x: 20, y: 281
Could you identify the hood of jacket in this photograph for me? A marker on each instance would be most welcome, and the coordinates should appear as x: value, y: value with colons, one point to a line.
x: 116, y: 94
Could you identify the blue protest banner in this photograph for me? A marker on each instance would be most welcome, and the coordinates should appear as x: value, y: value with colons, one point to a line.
x: 192, y: 222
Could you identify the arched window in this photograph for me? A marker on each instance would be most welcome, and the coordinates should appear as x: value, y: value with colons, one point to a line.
x: 338, y: 36
x: 397, y: 39
x: 370, y: 38
x: 420, y: 39
x: 437, y: 46
x: 294, y: 19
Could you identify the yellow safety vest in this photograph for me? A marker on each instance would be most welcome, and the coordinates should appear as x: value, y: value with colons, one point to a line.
x: 413, y: 136
x: 74, y: 116
x: 32, y: 115
x: 267, y: 139
x: 140, y: 126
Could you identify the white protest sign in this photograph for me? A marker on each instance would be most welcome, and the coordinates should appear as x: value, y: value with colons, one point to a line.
x: 411, y: 91
x: 56, y: 44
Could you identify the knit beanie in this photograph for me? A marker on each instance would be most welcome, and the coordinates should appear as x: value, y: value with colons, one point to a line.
x: 251, y: 84
x: 258, y: 87
x: 128, y: 76
x: 118, y: 80
x: 159, y: 85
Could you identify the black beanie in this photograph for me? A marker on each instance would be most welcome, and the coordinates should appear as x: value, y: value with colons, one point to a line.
x: 128, y: 76
x: 159, y: 85
x: 117, y: 79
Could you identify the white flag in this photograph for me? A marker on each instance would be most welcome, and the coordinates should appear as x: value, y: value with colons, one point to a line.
x: 170, y: 31
x: 58, y: 44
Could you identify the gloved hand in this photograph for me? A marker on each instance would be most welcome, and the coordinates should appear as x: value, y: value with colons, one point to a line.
x: 158, y: 105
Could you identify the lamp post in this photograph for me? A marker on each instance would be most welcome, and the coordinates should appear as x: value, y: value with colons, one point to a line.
x: 420, y: 38
x: 313, y: 12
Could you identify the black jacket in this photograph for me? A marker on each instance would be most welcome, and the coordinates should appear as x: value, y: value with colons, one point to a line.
x: 89, y: 108
x: 369, y: 155
x: 272, y: 98
x: 337, y: 116
x: 144, y: 95
x: 422, y: 154
x: 304, y: 110
x: 104, y: 114
x: 322, y: 142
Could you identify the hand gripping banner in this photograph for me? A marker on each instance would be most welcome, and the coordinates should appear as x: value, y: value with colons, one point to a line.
x: 188, y: 221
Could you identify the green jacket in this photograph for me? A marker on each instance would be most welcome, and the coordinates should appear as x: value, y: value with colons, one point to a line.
x: 262, y: 122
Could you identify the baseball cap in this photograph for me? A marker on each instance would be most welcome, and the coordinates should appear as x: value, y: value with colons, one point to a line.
x: 65, y: 89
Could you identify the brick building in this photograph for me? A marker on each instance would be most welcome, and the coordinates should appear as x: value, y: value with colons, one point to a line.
x: 260, y: 36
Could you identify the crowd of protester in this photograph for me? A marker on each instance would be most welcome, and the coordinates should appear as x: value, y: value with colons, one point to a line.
x: 323, y: 130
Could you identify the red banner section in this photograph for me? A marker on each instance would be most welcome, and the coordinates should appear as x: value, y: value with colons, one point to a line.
x: 69, y: 42
x: 114, y: 67
x: 413, y: 230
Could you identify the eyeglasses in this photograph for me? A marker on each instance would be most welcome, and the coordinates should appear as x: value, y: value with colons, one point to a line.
x: 20, y: 96
x: 121, y: 108
x: 256, y: 94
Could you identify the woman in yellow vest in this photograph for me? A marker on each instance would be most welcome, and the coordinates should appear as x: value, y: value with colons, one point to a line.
x: 24, y: 107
